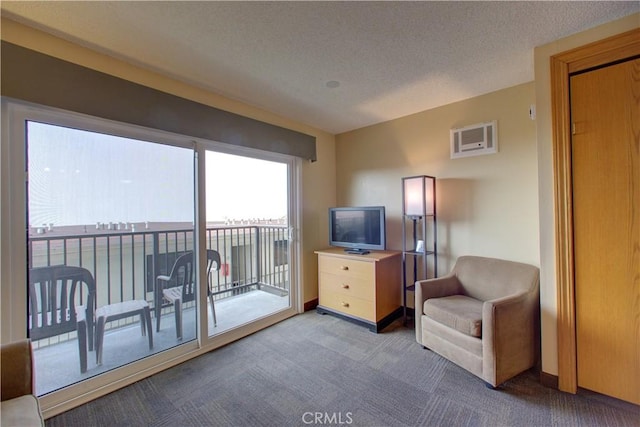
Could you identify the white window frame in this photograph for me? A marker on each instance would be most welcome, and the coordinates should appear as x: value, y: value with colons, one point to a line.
x: 13, y: 238
x: 294, y: 214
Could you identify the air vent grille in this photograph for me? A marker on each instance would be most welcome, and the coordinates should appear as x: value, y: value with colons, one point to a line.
x: 474, y: 140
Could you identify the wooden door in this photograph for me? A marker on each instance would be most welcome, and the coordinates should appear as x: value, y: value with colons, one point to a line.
x: 605, y: 115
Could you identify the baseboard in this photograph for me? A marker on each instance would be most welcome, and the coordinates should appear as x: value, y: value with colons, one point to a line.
x: 373, y: 326
x: 311, y: 305
x: 549, y: 380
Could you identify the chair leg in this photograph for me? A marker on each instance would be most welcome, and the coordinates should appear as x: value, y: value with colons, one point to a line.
x: 213, y: 311
x: 91, y: 335
x: 143, y: 320
x: 82, y: 345
x: 99, y: 339
x: 147, y: 316
x: 177, y: 307
x: 158, y: 310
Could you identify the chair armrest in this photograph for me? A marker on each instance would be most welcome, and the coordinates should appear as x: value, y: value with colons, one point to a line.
x: 16, y: 369
x: 509, y: 335
x: 158, y: 287
x: 432, y: 288
x: 436, y: 288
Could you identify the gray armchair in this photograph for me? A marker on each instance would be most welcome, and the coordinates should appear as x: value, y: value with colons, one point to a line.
x: 20, y: 407
x: 483, y: 316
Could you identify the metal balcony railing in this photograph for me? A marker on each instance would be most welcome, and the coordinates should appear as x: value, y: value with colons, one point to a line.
x: 125, y: 260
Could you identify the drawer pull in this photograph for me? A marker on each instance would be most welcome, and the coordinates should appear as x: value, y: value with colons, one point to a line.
x: 344, y: 268
x: 345, y: 304
x: 345, y: 286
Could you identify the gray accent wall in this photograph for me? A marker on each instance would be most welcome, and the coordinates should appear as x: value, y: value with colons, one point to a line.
x: 42, y: 79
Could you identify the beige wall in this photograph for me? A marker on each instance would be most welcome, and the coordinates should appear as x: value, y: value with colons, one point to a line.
x: 318, y: 178
x: 545, y: 176
x: 486, y: 205
x: 497, y: 205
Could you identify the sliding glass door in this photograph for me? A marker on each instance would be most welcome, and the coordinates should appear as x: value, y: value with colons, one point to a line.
x: 247, y: 216
x: 108, y: 217
x: 143, y: 248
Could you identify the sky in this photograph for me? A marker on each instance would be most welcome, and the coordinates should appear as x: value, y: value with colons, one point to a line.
x: 241, y: 187
x: 78, y: 177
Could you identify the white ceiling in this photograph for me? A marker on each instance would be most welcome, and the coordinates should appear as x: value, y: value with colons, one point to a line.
x: 391, y: 59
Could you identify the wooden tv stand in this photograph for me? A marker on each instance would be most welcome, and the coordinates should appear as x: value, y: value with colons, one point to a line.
x: 364, y: 289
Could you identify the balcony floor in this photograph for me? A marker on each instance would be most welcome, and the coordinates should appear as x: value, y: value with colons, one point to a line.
x: 58, y: 365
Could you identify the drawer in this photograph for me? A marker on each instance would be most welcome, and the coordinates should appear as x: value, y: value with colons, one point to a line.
x: 346, y: 304
x: 346, y: 267
x: 348, y: 285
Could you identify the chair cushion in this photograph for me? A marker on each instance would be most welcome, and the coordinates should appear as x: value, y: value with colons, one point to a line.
x: 23, y: 411
x: 459, y: 312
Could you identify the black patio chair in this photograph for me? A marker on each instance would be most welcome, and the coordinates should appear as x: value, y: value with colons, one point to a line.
x: 61, y: 300
x: 179, y: 286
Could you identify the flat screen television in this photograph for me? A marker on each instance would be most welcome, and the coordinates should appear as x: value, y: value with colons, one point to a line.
x: 357, y: 229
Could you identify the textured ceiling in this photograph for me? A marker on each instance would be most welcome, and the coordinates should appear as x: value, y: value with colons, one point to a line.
x: 391, y: 59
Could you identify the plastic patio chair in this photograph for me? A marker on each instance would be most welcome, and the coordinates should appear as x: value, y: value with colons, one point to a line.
x: 62, y: 300
x: 182, y: 290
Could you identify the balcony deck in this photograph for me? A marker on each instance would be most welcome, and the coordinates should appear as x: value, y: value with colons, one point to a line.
x: 57, y: 365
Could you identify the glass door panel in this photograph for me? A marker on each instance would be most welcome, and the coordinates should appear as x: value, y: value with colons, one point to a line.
x: 247, y: 216
x: 108, y: 219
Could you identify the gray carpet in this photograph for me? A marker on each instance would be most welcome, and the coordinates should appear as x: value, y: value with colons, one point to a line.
x: 320, y: 370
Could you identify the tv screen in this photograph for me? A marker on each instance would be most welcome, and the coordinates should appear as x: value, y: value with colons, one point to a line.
x: 358, y: 229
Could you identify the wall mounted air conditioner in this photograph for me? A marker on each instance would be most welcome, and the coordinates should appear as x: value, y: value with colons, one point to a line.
x: 474, y: 140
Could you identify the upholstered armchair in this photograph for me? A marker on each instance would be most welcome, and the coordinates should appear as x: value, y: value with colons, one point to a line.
x: 20, y: 407
x: 483, y: 316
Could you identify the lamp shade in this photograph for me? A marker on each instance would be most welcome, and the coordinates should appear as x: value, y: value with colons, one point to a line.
x: 418, y: 195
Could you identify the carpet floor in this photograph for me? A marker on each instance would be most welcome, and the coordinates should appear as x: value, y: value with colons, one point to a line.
x: 320, y: 370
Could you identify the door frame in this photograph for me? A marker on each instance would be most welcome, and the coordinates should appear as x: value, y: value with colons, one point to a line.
x: 609, y: 50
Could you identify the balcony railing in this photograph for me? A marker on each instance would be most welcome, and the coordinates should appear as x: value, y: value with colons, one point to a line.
x: 125, y: 260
